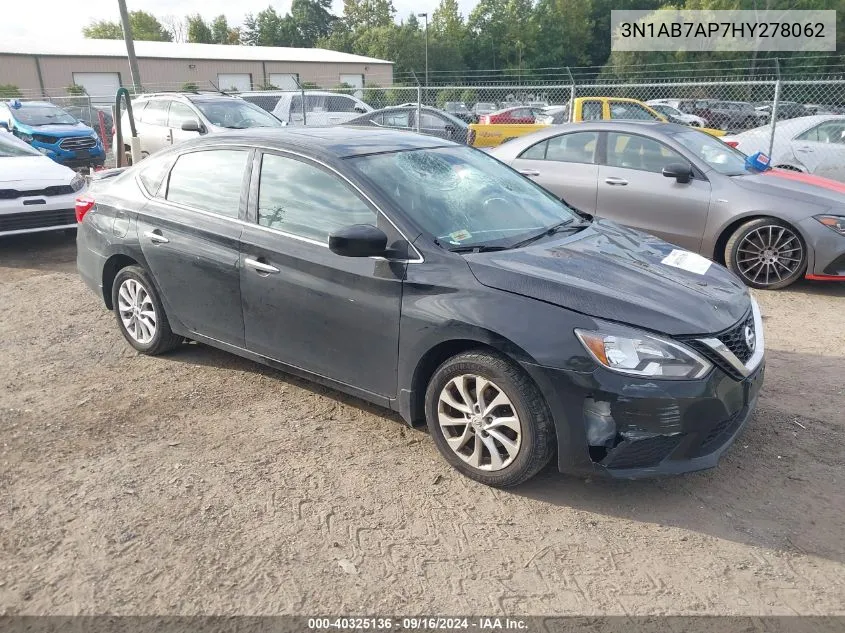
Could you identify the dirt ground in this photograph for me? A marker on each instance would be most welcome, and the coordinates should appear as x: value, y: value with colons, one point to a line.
x: 198, y: 482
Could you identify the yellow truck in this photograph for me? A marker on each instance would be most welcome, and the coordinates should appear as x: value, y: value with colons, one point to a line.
x: 583, y: 109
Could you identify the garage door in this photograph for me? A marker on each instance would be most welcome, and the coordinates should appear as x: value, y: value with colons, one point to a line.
x: 356, y: 81
x: 101, y: 87
x: 237, y: 81
x: 284, y: 81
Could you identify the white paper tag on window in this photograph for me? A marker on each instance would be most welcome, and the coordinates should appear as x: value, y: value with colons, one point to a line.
x: 685, y: 260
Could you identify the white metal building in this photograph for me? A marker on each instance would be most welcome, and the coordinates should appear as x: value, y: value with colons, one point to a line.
x: 101, y: 67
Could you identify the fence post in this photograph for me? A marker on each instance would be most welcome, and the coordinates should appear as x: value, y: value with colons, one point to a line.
x: 571, y: 94
x: 774, y: 109
x: 419, y: 105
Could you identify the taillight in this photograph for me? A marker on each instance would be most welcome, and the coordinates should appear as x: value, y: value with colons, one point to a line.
x: 484, y: 119
x: 732, y: 143
x: 83, y: 205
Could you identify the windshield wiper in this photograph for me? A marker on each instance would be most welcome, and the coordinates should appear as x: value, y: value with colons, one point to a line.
x: 478, y: 248
x: 554, y: 228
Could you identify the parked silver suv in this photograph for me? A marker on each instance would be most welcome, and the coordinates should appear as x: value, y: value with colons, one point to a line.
x: 163, y: 119
x: 321, y: 107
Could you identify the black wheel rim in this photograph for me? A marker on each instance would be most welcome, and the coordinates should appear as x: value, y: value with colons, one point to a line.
x: 769, y: 254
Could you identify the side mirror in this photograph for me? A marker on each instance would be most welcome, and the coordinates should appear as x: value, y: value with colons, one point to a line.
x: 680, y: 172
x: 191, y: 126
x: 358, y: 240
x: 360, y: 109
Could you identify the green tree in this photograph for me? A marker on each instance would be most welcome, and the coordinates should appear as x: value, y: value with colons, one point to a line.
x: 10, y: 91
x: 198, y: 31
x: 220, y: 30
x: 145, y: 26
x: 447, y: 23
x: 361, y: 14
x: 313, y: 19
x: 375, y: 96
x: 564, y: 33
x: 268, y: 28
x: 190, y: 86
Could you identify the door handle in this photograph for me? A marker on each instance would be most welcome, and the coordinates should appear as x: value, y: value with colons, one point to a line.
x: 156, y: 237
x: 614, y: 180
x: 529, y: 172
x: 260, y: 267
x: 804, y: 149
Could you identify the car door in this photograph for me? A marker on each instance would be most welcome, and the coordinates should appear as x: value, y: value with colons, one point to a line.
x: 153, y: 129
x: 434, y: 125
x: 632, y: 190
x: 303, y: 305
x: 178, y: 114
x: 821, y: 149
x: 567, y: 166
x: 190, y: 238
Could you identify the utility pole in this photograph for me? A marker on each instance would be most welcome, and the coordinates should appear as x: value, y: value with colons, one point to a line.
x: 130, y: 46
x: 425, y: 15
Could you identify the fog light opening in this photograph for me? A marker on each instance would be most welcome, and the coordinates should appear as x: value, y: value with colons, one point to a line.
x: 600, y: 428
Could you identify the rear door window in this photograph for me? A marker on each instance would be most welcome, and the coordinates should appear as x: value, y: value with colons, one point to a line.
x: 156, y: 112
x: 190, y: 182
x: 340, y: 103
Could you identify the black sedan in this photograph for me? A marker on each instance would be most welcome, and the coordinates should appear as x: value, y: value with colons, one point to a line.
x: 433, y: 122
x: 430, y: 278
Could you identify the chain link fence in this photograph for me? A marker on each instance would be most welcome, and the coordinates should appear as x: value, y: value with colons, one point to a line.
x: 800, y: 123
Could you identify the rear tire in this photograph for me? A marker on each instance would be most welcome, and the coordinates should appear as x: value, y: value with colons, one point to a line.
x: 767, y: 254
x: 140, y: 314
x: 499, y: 431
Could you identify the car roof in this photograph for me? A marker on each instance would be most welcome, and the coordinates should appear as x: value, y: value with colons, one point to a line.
x: 327, y: 142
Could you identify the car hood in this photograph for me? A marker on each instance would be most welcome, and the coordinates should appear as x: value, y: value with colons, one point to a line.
x: 612, y: 272
x: 76, y: 129
x: 32, y: 169
x: 806, y: 188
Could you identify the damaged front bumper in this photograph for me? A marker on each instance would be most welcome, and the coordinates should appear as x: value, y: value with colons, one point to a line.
x: 658, y: 427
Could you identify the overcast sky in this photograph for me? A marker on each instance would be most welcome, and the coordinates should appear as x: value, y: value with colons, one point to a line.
x: 63, y: 19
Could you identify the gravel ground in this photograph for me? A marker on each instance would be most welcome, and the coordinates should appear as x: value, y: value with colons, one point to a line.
x: 198, y: 482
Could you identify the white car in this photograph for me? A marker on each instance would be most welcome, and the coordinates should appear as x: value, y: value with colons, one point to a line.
x: 669, y: 110
x: 321, y: 107
x: 809, y: 144
x: 163, y: 119
x: 36, y: 193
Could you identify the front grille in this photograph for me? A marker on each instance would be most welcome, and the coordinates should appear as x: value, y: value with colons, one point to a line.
x: 734, y: 339
x: 36, y: 220
x: 641, y: 453
x: 77, y: 142
x: 57, y: 190
x: 43, y: 138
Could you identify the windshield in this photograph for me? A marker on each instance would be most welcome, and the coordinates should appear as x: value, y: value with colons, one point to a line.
x: 11, y: 147
x: 236, y: 114
x: 463, y: 197
x: 42, y: 115
x: 720, y: 156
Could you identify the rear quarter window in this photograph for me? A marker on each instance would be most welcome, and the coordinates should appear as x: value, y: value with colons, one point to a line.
x: 189, y: 180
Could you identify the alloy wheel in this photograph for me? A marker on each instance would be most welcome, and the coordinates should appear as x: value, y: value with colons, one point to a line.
x: 479, y: 422
x: 769, y: 254
x: 137, y: 312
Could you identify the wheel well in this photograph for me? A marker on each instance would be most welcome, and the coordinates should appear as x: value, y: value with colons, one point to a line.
x: 113, y: 266
x: 429, y: 363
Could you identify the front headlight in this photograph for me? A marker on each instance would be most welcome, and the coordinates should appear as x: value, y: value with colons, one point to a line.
x: 637, y: 353
x: 833, y: 222
x: 77, y: 183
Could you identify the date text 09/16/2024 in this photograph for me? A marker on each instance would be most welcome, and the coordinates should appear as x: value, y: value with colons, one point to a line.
x: 418, y: 623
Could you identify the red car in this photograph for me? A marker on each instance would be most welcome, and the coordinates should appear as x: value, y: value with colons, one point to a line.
x: 516, y: 114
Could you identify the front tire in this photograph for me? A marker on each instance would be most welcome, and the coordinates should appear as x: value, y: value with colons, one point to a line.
x: 140, y: 314
x: 488, y: 419
x: 767, y: 254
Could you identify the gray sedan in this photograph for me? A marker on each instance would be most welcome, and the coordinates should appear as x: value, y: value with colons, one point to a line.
x: 693, y: 190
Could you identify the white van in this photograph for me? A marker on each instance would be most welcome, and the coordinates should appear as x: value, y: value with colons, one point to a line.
x: 321, y: 107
